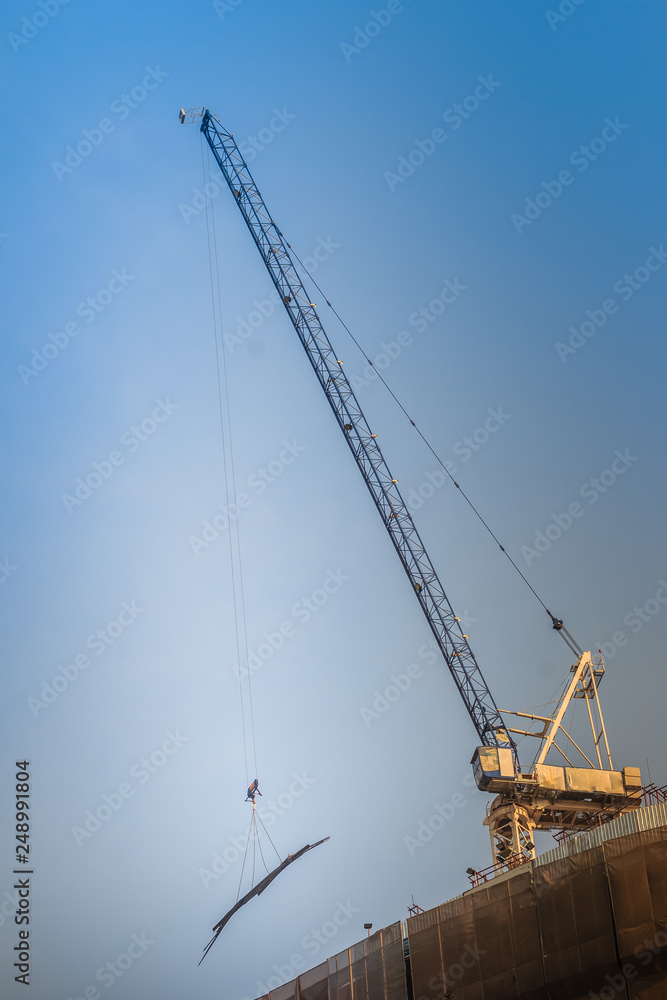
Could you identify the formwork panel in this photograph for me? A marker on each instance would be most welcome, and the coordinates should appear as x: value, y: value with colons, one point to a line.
x: 425, y: 957
x: 637, y: 869
x: 286, y: 992
x: 526, y: 941
x: 508, y: 951
x: 393, y: 962
x: 575, y: 925
x: 375, y: 977
x: 339, y: 977
x: 458, y: 947
x: 358, y: 973
x: 314, y: 984
x: 493, y: 959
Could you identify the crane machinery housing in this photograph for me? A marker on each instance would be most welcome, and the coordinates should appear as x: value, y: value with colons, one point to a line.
x: 573, y: 795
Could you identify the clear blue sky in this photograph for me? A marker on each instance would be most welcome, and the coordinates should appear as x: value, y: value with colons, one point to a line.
x: 517, y: 156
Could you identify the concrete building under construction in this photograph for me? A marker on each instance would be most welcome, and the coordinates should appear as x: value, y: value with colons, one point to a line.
x: 586, y: 920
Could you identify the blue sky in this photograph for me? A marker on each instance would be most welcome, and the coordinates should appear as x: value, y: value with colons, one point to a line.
x: 514, y: 153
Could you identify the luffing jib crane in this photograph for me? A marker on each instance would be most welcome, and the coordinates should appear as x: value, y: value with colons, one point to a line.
x: 542, y: 796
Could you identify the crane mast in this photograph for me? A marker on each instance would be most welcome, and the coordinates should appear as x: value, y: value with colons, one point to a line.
x: 544, y: 796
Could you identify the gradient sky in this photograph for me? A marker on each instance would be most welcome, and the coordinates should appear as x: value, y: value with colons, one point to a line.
x: 334, y: 109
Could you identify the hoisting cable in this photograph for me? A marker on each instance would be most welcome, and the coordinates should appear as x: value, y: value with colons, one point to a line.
x: 261, y: 852
x: 556, y: 623
x: 240, y: 621
x: 245, y: 855
x: 254, y: 850
x: 240, y: 625
x: 238, y: 589
x: 270, y: 841
x: 254, y: 832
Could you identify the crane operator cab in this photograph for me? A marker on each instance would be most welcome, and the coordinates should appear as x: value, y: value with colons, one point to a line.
x: 493, y: 769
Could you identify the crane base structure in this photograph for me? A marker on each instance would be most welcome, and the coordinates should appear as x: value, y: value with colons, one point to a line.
x: 552, y: 797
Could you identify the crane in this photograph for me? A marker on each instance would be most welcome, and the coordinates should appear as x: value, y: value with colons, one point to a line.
x: 542, y: 796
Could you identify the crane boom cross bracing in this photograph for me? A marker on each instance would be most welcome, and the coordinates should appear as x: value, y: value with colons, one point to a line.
x: 364, y: 446
x: 545, y: 797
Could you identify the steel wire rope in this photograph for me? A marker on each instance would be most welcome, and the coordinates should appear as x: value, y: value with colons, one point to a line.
x: 568, y: 639
x: 237, y: 598
x: 270, y: 841
x: 233, y: 471
x: 254, y: 849
x: 261, y: 853
x: 245, y: 855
